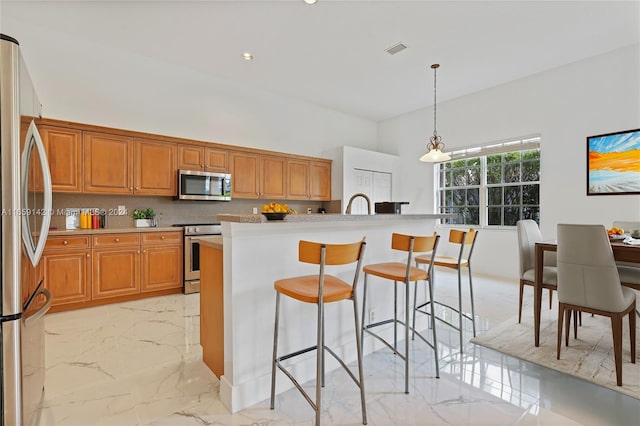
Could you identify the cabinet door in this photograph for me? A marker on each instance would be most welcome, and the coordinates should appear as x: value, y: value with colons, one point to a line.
x: 244, y: 169
x: 155, y: 167
x: 64, y: 154
x: 320, y: 180
x: 190, y: 157
x: 297, y: 180
x: 116, y: 272
x: 215, y: 160
x: 108, y: 163
x: 67, y: 275
x: 272, y: 177
x: 161, y: 267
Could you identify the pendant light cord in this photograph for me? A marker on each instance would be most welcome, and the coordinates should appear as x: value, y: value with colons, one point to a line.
x: 435, y: 69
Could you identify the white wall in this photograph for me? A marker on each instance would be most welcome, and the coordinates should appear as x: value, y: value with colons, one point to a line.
x: 124, y: 90
x: 564, y: 105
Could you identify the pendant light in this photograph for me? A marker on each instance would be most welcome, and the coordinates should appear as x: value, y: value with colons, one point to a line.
x: 435, y: 147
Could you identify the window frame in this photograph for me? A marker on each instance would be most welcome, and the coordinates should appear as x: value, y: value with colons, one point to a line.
x: 521, y: 145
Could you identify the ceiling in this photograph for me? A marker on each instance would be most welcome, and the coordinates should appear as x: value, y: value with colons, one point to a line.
x: 333, y: 53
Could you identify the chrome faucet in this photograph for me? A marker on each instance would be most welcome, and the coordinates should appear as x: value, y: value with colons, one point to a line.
x: 359, y: 194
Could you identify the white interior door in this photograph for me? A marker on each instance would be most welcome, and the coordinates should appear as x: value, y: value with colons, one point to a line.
x: 375, y: 185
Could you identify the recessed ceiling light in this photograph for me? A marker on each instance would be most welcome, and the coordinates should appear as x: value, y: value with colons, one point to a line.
x: 310, y: 1
x: 247, y: 56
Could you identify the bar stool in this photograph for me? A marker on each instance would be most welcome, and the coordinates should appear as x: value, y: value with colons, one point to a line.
x: 467, y: 241
x: 320, y: 289
x: 404, y: 273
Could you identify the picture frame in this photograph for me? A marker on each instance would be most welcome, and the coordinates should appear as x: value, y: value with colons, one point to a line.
x: 613, y: 163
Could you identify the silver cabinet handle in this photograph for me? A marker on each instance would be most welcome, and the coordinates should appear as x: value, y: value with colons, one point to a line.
x: 43, y: 310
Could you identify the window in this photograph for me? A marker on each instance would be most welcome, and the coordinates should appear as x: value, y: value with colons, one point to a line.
x: 494, y: 185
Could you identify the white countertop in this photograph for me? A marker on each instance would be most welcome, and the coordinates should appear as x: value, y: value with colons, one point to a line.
x: 314, y: 218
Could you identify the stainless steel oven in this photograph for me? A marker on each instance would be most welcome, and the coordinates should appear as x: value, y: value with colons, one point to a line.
x: 192, y: 235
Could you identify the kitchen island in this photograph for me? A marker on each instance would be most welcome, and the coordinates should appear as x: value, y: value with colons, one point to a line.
x: 256, y: 252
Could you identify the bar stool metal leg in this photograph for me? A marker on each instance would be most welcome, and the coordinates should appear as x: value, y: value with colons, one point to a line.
x: 275, y: 352
x: 359, y: 352
x: 406, y: 336
x: 460, y: 314
x: 319, y: 359
x: 473, y: 310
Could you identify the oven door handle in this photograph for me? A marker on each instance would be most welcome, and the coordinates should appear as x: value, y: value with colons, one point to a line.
x: 193, y: 239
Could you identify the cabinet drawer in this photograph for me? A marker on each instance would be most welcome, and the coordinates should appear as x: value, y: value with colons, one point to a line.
x: 149, y: 238
x: 67, y: 242
x: 116, y: 240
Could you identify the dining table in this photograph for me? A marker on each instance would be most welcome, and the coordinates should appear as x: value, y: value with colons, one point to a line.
x: 622, y: 252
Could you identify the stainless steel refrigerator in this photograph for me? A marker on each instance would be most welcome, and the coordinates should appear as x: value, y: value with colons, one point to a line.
x: 25, y: 189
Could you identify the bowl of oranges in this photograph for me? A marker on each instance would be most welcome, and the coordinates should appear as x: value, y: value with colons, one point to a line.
x: 276, y: 211
x: 615, y: 233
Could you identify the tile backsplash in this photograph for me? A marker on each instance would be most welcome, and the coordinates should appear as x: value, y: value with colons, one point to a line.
x: 168, y: 211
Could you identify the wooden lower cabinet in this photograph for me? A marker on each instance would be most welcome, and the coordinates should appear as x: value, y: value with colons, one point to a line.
x: 116, y: 272
x: 66, y: 269
x: 67, y: 274
x: 161, y: 267
x: 90, y: 270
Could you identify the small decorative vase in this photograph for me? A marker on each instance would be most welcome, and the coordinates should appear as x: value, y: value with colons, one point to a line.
x: 143, y: 223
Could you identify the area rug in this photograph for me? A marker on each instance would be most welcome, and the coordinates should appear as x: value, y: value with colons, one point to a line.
x: 590, y: 357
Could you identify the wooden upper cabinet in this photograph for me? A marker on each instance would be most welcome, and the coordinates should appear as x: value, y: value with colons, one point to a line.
x: 64, y: 154
x: 257, y: 176
x: 309, y: 180
x: 108, y: 163
x: 245, y: 170
x: 272, y: 177
x: 216, y: 160
x: 320, y: 180
x: 298, y: 180
x: 198, y: 157
x: 155, y: 167
x: 190, y: 157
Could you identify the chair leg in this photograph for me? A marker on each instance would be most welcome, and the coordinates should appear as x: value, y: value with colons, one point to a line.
x: 395, y: 317
x: 415, y: 299
x: 364, y: 309
x: 560, y: 318
x: 319, y: 358
x: 520, y: 301
x: 359, y: 353
x: 473, y: 309
x: 632, y: 335
x: 567, y: 318
x: 550, y: 298
x: 323, y: 354
x: 575, y: 324
x: 407, y: 291
x: 616, y: 328
x: 460, y: 306
x: 433, y: 327
x: 275, y: 352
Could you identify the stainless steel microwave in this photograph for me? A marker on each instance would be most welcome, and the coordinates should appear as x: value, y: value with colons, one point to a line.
x: 197, y: 185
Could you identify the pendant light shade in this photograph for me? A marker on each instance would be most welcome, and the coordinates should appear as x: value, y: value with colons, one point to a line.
x: 435, y: 147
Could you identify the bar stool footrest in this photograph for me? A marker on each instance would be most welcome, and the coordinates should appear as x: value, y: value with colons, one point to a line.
x: 467, y: 316
x: 303, y: 351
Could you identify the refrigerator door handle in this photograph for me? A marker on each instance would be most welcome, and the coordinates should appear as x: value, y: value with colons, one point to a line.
x: 43, y: 310
x: 34, y: 141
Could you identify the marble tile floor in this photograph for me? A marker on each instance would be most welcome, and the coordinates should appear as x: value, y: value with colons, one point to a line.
x: 139, y: 363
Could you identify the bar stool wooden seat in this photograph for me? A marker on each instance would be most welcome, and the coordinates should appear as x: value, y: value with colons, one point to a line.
x: 404, y: 273
x: 320, y: 289
x: 466, y: 240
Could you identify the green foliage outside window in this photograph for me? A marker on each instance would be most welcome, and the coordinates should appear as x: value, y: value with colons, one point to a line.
x: 508, y: 181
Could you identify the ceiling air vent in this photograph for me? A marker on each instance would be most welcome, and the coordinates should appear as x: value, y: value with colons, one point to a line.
x: 396, y: 48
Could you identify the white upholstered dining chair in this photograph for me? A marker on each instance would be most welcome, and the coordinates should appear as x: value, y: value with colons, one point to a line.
x: 528, y: 235
x: 629, y: 272
x: 588, y: 281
